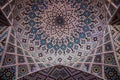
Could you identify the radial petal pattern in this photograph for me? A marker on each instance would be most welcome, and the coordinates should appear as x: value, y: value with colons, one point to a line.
x: 59, y: 40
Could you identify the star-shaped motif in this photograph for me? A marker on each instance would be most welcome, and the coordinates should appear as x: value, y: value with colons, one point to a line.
x: 59, y: 20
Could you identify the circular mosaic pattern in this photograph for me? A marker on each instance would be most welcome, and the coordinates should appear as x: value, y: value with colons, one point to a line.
x: 47, y: 33
x: 9, y: 59
x: 59, y: 20
x: 96, y: 69
x: 22, y: 70
x: 8, y: 73
x: 59, y: 29
x: 112, y: 73
x: 110, y: 59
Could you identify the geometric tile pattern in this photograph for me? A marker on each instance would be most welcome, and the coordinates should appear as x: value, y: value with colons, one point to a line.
x: 9, y: 59
x: 8, y: 73
x: 59, y: 32
x: 102, y: 56
x: 7, y: 7
x: 22, y: 70
x: 112, y: 73
x: 60, y: 73
x: 115, y: 31
x: 3, y: 38
x: 111, y: 7
x: 73, y: 33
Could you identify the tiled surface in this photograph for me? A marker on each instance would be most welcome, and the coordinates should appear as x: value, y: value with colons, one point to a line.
x: 73, y: 34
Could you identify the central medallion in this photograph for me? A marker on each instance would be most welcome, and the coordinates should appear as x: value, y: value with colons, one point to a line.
x: 59, y: 20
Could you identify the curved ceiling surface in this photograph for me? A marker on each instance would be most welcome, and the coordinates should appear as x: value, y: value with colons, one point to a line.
x: 59, y: 32
x: 47, y: 37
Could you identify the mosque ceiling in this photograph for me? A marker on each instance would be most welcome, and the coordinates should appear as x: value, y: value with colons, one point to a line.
x: 59, y: 32
x: 47, y: 33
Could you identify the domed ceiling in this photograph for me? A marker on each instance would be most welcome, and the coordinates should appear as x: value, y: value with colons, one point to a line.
x: 47, y: 33
x: 59, y: 32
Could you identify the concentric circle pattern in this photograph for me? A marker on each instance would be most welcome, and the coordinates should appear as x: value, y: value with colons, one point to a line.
x: 59, y: 40
x: 59, y: 29
x: 59, y: 20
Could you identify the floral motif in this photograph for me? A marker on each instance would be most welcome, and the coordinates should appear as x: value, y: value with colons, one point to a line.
x: 59, y: 20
